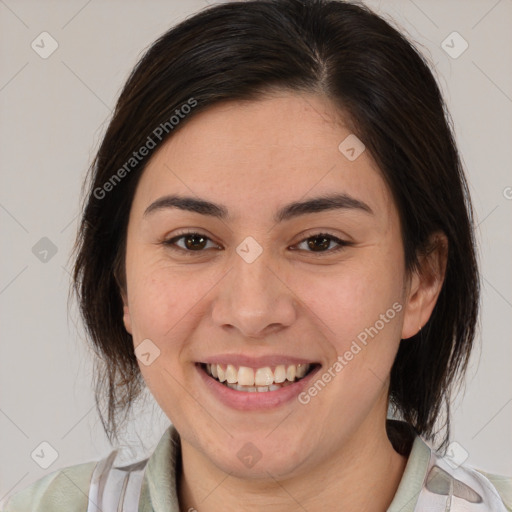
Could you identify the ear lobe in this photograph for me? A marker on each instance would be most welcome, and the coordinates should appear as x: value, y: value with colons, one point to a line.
x: 425, y: 285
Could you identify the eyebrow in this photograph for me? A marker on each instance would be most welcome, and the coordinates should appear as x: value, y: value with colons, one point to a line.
x: 292, y: 210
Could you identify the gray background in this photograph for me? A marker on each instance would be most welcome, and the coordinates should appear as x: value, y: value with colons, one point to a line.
x: 54, y: 111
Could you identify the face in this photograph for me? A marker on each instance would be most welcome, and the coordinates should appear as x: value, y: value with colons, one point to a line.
x: 268, y: 282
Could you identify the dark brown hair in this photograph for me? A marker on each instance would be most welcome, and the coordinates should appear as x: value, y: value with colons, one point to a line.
x: 383, y: 86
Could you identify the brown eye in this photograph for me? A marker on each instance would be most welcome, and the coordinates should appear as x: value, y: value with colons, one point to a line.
x: 195, y: 242
x: 189, y: 242
x: 321, y: 243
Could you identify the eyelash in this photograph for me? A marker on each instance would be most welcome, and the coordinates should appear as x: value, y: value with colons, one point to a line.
x: 170, y: 243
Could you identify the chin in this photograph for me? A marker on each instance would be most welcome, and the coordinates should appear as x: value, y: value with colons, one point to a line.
x: 260, y: 460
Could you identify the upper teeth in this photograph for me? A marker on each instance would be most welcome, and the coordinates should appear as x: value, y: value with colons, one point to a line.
x: 246, y: 376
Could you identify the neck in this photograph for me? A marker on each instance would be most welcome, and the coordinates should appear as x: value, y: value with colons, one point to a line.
x: 341, y: 482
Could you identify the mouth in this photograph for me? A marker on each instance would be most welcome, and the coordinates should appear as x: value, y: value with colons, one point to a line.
x: 258, y: 380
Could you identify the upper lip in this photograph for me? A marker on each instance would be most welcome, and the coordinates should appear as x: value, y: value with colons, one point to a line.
x: 256, y: 362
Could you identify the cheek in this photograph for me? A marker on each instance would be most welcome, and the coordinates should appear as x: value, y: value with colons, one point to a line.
x: 161, y: 309
x: 359, y: 312
x: 167, y: 303
x: 156, y: 299
x: 153, y: 306
x: 164, y: 306
x: 351, y: 301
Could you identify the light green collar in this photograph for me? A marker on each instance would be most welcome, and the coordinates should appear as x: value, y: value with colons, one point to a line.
x: 412, y: 480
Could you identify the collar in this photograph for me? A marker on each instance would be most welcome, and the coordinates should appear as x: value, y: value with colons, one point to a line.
x: 162, y: 471
x: 411, y: 484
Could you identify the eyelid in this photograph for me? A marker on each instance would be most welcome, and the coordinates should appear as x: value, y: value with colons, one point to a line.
x: 317, y: 234
x: 170, y: 242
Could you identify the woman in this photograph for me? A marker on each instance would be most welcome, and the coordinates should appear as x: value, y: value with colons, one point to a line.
x: 277, y: 241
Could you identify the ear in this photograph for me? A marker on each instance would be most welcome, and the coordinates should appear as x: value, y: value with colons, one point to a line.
x: 425, y: 284
x: 127, y: 320
x: 121, y: 285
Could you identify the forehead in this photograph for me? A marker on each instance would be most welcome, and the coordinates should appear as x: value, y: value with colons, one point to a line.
x: 276, y: 150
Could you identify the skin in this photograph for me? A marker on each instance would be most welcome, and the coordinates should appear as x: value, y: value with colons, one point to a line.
x: 253, y: 158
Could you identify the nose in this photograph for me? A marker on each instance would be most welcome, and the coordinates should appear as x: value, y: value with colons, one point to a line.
x: 254, y: 299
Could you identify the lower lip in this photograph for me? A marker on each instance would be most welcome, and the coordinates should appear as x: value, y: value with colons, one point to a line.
x: 250, y: 401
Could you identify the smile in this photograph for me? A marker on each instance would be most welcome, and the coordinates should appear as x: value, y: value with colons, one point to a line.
x: 247, y: 379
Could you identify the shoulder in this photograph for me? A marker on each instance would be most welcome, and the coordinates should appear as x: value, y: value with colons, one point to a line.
x: 439, y: 483
x: 467, y: 488
x: 89, y: 487
x: 502, y: 485
x: 63, y: 490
